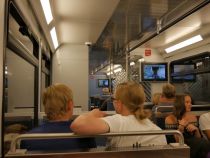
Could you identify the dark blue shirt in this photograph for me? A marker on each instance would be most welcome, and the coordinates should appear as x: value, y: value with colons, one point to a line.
x: 56, y: 144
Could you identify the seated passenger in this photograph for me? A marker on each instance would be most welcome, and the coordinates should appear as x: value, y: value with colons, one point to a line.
x: 204, y: 122
x: 167, y: 98
x: 58, y: 104
x: 128, y: 102
x: 182, y: 119
x: 168, y: 95
x: 156, y: 98
x: 187, y: 123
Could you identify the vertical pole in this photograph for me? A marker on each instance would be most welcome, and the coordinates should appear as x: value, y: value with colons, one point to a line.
x: 3, y: 40
x: 39, y: 79
x: 127, y: 65
x: 126, y: 55
x: 110, y: 67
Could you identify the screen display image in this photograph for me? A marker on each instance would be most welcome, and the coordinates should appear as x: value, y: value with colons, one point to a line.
x: 154, y: 72
x: 103, y: 83
x: 177, y: 69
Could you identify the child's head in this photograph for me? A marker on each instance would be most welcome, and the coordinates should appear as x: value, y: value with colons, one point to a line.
x: 132, y: 96
x: 155, y: 98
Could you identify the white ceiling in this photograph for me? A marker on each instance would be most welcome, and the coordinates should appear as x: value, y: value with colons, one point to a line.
x: 80, y: 21
x: 197, y: 23
x: 76, y: 21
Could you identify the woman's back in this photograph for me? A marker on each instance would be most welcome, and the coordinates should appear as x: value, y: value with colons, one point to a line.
x: 119, y: 123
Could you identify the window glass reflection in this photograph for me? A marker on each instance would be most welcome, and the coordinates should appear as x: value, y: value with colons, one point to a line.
x: 20, y: 84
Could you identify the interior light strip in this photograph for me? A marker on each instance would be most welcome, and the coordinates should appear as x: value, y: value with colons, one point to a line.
x: 54, y: 37
x: 47, y: 10
x: 185, y: 43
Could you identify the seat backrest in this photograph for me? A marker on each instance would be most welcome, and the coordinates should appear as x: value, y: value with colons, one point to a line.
x: 159, y: 113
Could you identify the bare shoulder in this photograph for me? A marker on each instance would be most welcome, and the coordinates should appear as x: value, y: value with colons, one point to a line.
x: 171, y: 119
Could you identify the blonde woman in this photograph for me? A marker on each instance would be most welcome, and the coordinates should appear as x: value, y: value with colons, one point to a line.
x: 128, y: 101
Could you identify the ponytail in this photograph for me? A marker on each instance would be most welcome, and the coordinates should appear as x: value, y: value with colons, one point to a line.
x: 140, y: 114
x: 132, y: 96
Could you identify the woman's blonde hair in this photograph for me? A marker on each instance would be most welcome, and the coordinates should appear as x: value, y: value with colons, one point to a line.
x: 55, y: 99
x: 132, y: 95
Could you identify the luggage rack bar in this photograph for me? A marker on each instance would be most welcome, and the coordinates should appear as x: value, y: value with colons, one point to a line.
x: 16, y: 142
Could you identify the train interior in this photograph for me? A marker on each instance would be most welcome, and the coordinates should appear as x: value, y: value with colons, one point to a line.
x: 92, y: 46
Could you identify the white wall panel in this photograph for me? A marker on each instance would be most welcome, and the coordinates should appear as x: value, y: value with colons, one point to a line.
x: 70, y: 66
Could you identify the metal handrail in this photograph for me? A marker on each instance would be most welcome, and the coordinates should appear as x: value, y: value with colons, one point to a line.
x: 162, y: 106
x: 171, y: 106
x: 200, y: 106
x: 72, y: 135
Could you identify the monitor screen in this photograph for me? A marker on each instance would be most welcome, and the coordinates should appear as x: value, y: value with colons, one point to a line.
x: 178, y: 69
x: 103, y: 82
x: 154, y: 72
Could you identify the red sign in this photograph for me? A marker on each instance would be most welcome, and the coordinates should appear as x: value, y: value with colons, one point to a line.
x: 92, y: 77
x: 147, y: 52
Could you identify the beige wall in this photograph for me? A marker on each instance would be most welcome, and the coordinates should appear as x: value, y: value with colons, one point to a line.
x: 70, y: 66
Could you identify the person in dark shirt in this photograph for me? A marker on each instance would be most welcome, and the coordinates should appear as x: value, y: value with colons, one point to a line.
x: 58, y: 104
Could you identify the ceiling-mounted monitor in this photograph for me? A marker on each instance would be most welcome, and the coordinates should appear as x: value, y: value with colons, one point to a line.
x: 182, y: 73
x: 103, y: 83
x: 154, y: 71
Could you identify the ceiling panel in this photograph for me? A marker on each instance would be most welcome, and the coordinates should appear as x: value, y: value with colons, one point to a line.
x: 115, y: 23
x: 79, y: 32
x: 92, y: 10
x: 79, y: 21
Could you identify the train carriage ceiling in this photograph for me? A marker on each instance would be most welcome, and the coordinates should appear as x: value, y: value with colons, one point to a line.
x: 198, y: 23
x: 112, y: 24
x: 76, y: 21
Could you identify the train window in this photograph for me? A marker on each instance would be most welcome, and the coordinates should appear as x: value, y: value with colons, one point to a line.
x: 42, y: 89
x: 20, y: 84
x: 18, y: 31
x: 19, y: 96
x: 45, y: 83
x: 21, y: 77
x: 45, y: 76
